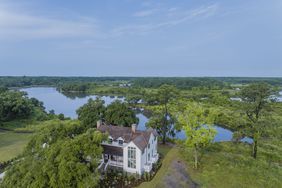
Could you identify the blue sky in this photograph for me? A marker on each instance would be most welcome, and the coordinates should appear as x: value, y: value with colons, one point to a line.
x: 141, y: 38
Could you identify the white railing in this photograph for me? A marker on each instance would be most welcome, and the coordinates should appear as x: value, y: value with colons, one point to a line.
x: 106, y: 166
x: 113, y: 144
x: 101, y: 164
x: 115, y: 163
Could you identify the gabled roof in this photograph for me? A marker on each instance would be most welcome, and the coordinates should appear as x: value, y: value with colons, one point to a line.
x: 139, y: 138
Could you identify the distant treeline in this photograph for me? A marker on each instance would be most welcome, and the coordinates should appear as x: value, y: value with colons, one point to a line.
x: 25, y: 81
x: 181, y: 83
x: 86, y: 83
x: 247, y: 80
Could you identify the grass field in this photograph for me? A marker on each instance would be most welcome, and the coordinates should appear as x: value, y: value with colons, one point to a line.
x: 173, y: 171
x: 12, y: 144
x: 224, y: 165
x: 231, y: 165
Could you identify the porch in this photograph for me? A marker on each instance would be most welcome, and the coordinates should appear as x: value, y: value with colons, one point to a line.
x: 113, y: 160
x: 112, y: 156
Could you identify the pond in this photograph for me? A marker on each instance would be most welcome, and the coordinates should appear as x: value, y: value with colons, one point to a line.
x: 54, y: 100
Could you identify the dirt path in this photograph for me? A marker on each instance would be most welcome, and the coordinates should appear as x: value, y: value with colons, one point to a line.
x: 172, y: 174
x: 178, y: 176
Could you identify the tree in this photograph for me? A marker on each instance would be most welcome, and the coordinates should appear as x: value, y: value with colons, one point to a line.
x: 133, y: 99
x: 197, y: 123
x: 61, y: 116
x: 255, y: 102
x: 162, y: 119
x: 91, y: 112
x: 15, y: 104
x: 164, y: 127
x: 62, y: 155
x: 118, y: 113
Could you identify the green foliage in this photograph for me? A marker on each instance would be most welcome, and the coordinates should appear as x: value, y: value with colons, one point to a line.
x: 133, y: 99
x: 256, y: 103
x: 15, y: 104
x: 181, y: 83
x: 163, y: 125
x: 197, y: 123
x: 161, y: 119
x: 119, y: 113
x: 226, y: 164
x: 75, y: 87
x: 62, y: 155
x: 91, y: 112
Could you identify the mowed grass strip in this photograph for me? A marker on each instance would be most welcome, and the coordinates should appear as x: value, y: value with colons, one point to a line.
x: 169, y: 153
x: 12, y: 144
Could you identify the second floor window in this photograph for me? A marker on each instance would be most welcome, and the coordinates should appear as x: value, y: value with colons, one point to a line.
x: 120, y: 142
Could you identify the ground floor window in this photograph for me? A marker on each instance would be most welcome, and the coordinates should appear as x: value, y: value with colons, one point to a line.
x: 131, y: 157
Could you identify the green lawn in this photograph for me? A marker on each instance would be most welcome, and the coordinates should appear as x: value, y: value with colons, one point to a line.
x: 223, y: 165
x: 231, y: 165
x: 166, y: 172
x: 12, y: 144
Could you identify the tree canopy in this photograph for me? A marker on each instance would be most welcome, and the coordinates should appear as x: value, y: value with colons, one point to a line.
x: 91, y: 112
x: 119, y: 113
x: 197, y: 123
x: 16, y: 104
x: 256, y: 98
x: 62, y: 154
x: 116, y: 113
x: 162, y: 119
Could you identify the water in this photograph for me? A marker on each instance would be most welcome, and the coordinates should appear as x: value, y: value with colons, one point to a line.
x: 279, y: 98
x: 54, y: 100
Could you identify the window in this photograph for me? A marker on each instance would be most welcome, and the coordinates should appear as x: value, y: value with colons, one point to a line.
x: 148, y: 156
x: 110, y: 140
x: 131, y: 157
x: 149, y: 146
x: 120, y: 142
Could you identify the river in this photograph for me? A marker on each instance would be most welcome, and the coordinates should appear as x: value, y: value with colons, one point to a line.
x: 54, y: 100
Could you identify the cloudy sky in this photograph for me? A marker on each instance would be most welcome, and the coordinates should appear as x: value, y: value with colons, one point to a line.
x: 141, y: 37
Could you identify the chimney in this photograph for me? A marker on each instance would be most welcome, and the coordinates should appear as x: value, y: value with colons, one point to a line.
x: 99, y: 123
x: 133, y: 127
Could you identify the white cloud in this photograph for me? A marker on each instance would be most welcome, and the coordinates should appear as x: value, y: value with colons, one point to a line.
x: 21, y: 25
x: 145, y: 13
x: 180, y: 18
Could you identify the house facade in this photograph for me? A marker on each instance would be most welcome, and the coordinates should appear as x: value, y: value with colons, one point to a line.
x: 130, y: 149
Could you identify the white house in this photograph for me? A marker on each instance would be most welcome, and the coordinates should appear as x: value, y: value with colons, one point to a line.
x: 132, y: 150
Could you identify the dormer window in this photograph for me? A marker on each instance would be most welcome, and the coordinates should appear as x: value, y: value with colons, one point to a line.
x: 120, y: 142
